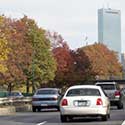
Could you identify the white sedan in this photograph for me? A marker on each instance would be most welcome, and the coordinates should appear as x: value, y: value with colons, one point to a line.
x: 84, y: 100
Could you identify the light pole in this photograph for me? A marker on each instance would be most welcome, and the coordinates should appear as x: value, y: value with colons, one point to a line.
x: 85, y: 40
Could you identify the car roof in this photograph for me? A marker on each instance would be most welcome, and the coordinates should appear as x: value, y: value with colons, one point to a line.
x: 84, y: 86
x: 48, y: 89
x: 106, y: 83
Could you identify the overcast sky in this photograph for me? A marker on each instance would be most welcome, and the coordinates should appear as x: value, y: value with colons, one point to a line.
x: 73, y: 19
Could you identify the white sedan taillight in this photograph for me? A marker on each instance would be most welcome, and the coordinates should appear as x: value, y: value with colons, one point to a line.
x: 64, y: 102
x: 99, y: 101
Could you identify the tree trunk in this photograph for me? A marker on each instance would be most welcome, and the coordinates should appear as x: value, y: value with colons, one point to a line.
x: 10, y: 87
x: 27, y: 86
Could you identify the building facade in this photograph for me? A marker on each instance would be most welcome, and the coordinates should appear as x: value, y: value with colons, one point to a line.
x: 109, y: 29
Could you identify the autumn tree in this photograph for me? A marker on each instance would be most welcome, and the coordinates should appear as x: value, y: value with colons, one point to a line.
x: 30, y: 59
x: 80, y: 68
x: 4, y: 50
x: 104, y: 62
x: 56, y: 40
x: 61, y: 53
x: 19, y: 54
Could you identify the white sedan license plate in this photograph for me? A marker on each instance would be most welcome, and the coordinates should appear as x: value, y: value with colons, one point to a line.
x: 82, y: 103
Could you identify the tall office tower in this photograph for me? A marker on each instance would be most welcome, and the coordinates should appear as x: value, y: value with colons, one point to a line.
x: 109, y: 29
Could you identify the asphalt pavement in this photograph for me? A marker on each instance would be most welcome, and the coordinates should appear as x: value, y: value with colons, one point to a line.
x: 53, y: 118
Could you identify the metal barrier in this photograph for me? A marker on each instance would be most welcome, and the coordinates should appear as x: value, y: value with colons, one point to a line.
x: 14, y: 101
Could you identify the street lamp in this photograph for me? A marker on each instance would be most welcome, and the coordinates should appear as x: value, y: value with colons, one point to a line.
x: 85, y: 40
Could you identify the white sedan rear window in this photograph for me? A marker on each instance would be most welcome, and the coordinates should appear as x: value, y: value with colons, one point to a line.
x: 83, y: 92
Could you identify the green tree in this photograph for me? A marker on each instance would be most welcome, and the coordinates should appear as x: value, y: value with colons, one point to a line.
x: 43, y: 66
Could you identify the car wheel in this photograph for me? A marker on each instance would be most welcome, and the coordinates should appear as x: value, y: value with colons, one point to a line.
x: 63, y: 118
x: 70, y: 118
x: 105, y: 117
x: 39, y: 109
x: 120, y: 106
x: 33, y: 109
x: 108, y: 115
x: 58, y: 109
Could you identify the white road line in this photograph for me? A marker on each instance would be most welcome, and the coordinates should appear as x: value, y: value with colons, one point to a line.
x: 42, y: 123
x: 123, y: 123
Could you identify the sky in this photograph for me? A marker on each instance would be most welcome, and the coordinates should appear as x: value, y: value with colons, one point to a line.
x: 75, y: 20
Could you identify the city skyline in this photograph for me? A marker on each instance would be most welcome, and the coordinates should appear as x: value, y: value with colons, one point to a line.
x: 74, y: 20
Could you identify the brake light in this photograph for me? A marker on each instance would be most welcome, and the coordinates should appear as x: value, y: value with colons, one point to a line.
x: 64, y: 102
x: 117, y: 93
x: 55, y: 98
x: 99, y: 101
x: 35, y: 99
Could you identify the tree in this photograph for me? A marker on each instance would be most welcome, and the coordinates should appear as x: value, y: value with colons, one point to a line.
x: 43, y: 66
x: 81, y: 67
x: 56, y: 40
x: 19, y: 54
x: 30, y: 59
x: 64, y: 62
x: 4, y: 50
x: 104, y: 62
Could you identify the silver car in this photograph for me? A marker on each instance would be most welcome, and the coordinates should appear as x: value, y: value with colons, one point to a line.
x: 114, y: 93
x: 84, y: 100
x: 15, y: 95
x: 45, y: 98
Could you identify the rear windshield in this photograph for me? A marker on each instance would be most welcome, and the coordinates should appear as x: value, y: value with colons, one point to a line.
x: 14, y: 94
x: 46, y: 92
x: 83, y: 92
x: 107, y: 86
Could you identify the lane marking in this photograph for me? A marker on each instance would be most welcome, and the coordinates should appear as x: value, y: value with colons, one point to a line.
x: 42, y: 123
x: 123, y: 123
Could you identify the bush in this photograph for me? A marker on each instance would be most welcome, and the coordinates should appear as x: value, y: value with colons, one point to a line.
x: 27, y: 94
x: 3, y: 93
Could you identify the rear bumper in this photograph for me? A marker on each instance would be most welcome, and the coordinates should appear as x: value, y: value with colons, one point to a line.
x: 45, y: 103
x: 84, y: 111
x: 46, y: 107
x: 115, y: 102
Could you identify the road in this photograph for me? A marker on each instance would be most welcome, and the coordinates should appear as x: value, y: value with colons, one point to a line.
x: 53, y: 118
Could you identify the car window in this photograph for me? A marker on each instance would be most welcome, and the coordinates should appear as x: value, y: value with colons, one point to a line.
x: 107, y: 86
x: 14, y: 94
x: 46, y: 92
x: 83, y: 92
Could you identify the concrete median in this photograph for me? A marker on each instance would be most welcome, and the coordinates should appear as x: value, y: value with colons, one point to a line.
x: 7, y: 110
x: 23, y: 108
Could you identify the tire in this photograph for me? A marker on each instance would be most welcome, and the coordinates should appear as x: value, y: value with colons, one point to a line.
x: 33, y: 109
x: 104, y: 117
x: 70, y: 118
x: 58, y: 109
x: 108, y: 115
x: 63, y: 118
x: 39, y: 109
x: 120, y: 105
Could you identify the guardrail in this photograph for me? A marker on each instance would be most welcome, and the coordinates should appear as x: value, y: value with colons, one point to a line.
x: 15, y: 101
x: 4, y: 101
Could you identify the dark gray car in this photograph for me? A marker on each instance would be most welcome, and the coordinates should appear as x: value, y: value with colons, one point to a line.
x: 113, y: 91
x: 46, y: 98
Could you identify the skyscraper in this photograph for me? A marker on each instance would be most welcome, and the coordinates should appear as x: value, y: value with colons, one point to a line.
x: 109, y: 29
